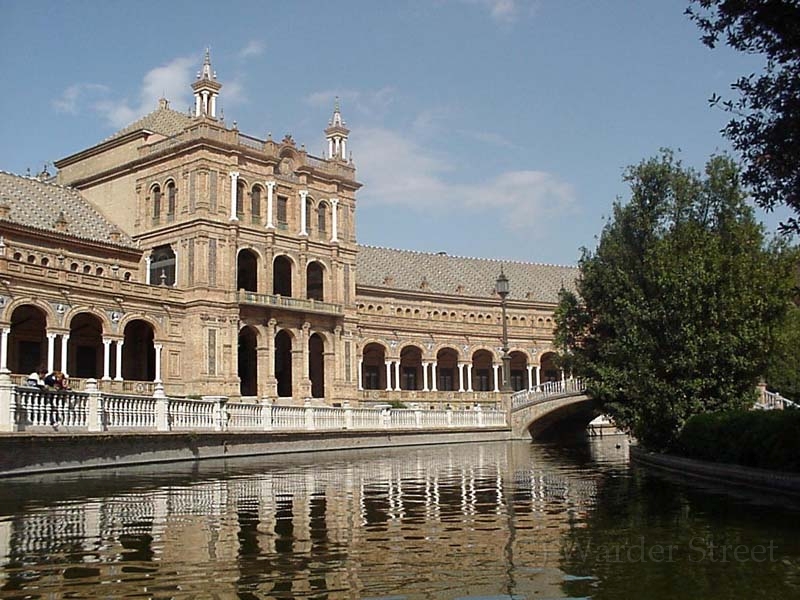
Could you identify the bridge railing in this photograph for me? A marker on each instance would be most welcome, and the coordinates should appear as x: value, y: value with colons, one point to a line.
x: 32, y: 409
x: 774, y: 401
x: 545, y: 391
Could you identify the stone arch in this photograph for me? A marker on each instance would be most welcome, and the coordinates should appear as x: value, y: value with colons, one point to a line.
x: 411, y: 367
x: 373, y: 366
x: 247, y: 261
x: 282, y: 271
x: 519, y: 370
x: 483, y: 370
x: 248, y: 360
x: 322, y: 217
x: 447, y: 378
x: 155, y: 200
x: 138, y: 350
x: 241, y: 193
x: 316, y: 364
x: 284, y: 341
x: 50, y: 316
x: 549, y: 369
x: 315, y: 277
x: 85, y: 345
x: 27, y: 346
x: 158, y: 333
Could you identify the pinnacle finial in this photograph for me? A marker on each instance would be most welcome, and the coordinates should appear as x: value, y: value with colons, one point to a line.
x: 336, y: 105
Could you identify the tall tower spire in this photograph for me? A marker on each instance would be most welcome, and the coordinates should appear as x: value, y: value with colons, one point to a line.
x: 206, y: 89
x: 336, y: 133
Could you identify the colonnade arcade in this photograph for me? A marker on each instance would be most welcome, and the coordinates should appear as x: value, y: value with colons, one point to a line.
x: 476, y: 370
x: 283, y: 274
x: 83, y: 347
x: 285, y: 362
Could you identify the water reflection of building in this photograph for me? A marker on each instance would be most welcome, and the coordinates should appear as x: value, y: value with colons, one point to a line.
x: 304, y: 529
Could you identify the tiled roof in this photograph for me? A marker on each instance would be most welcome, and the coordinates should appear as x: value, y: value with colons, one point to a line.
x: 163, y: 120
x: 35, y: 203
x: 456, y: 275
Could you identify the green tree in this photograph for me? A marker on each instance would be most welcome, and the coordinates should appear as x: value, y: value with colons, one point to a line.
x: 765, y: 124
x: 783, y: 372
x: 675, y: 311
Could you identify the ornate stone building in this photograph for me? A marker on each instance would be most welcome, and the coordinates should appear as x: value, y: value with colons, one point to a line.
x: 182, y: 252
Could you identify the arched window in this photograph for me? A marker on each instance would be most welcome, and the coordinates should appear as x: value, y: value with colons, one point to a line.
x: 162, y: 266
x: 240, y: 190
x: 172, y: 194
x: 309, y: 210
x: 255, y: 201
x: 322, y: 217
x: 155, y: 192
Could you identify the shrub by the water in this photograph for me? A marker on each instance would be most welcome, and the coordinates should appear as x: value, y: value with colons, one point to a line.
x: 764, y: 439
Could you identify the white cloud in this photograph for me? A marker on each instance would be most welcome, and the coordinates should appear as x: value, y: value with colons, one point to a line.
x: 70, y: 100
x: 368, y: 104
x: 253, y: 48
x: 171, y: 80
x: 398, y: 171
x: 506, y: 11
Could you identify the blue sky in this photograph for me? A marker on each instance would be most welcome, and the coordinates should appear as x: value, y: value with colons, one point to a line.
x: 490, y: 128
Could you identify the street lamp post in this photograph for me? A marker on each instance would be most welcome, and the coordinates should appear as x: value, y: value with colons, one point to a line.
x: 503, y: 288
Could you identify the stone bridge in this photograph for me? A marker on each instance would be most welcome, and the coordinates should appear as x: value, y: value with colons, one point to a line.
x: 533, y: 411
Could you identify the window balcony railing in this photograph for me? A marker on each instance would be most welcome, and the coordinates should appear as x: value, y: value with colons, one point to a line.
x: 298, y: 304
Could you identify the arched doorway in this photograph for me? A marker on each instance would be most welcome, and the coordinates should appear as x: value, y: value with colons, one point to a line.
x: 162, y: 266
x: 316, y: 365
x: 139, y: 352
x: 410, y: 368
x: 373, y: 367
x: 85, y: 346
x: 447, y: 370
x: 283, y: 364
x: 549, y: 370
x: 27, y: 349
x: 248, y: 363
x: 482, y: 371
x: 519, y: 371
x: 247, y: 271
x: 314, y: 286
x: 282, y: 276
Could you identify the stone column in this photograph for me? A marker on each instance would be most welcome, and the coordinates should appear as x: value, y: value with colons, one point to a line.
x: 234, y: 182
x: 118, y: 375
x: 64, y: 342
x: 496, y: 369
x: 271, y: 381
x: 538, y: 379
x: 51, y: 342
x: 360, y: 373
x: 106, y: 359
x: 303, y: 208
x: 334, y: 220
x: 469, y: 377
x: 397, y: 376
x: 158, y: 348
x: 270, y: 196
x: 425, y: 376
x: 4, y: 331
x: 434, y: 377
x: 461, y: 377
x: 530, y: 377
x: 388, y: 365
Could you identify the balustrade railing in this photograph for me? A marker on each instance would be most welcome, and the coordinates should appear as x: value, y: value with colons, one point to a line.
x: 25, y: 408
x: 545, y: 391
x: 774, y: 401
x: 302, y: 304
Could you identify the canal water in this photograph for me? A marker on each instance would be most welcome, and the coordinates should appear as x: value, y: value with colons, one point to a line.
x: 479, y: 521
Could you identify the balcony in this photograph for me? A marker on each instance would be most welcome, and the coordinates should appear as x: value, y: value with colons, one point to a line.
x: 296, y: 304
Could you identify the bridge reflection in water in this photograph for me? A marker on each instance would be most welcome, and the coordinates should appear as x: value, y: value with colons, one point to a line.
x: 494, y: 520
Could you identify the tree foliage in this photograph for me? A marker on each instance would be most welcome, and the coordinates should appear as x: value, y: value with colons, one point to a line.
x: 675, y: 311
x: 783, y: 372
x: 765, y: 124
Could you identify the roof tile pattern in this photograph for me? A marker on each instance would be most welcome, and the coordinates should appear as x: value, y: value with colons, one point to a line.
x: 34, y: 203
x: 163, y: 120
x: 455, y: 275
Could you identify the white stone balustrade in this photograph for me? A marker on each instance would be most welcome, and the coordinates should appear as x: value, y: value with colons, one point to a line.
x: 30, y: 409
